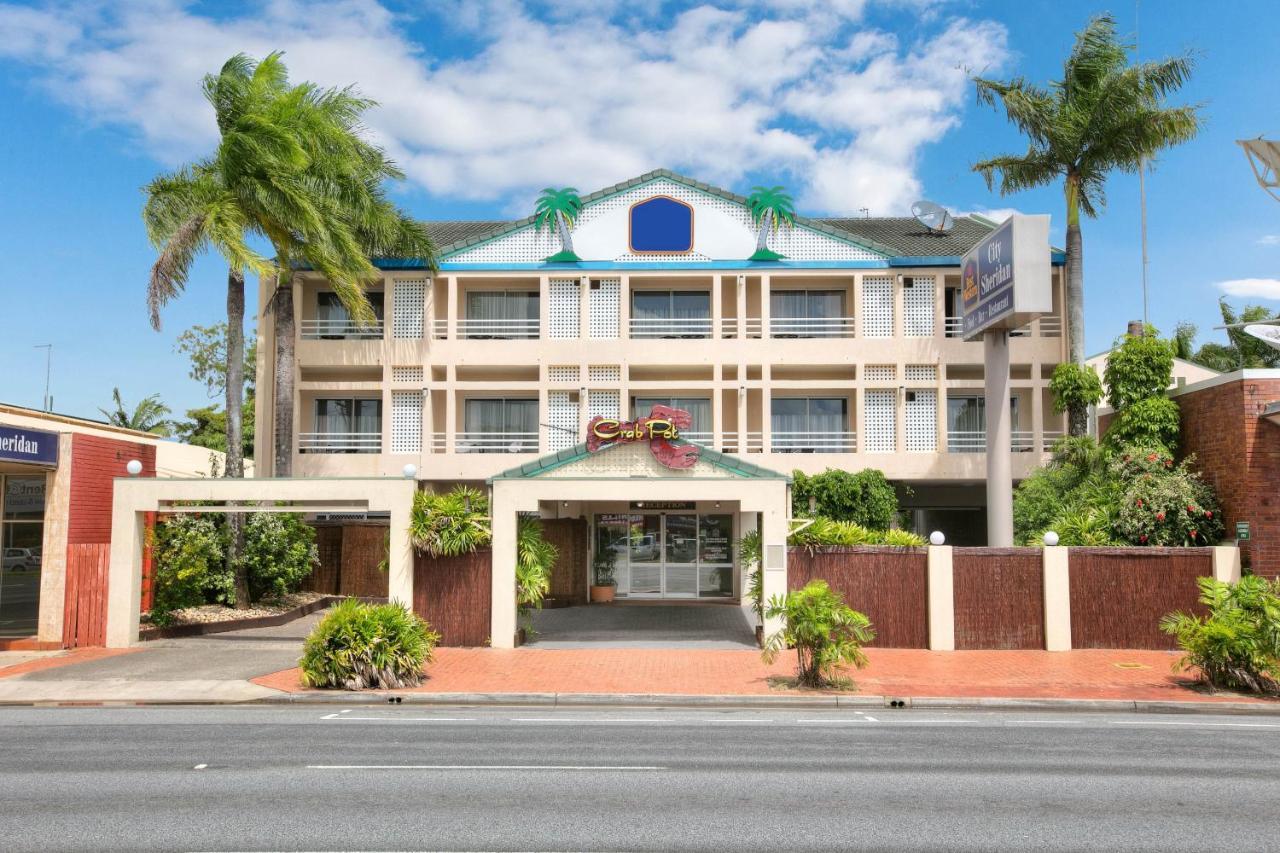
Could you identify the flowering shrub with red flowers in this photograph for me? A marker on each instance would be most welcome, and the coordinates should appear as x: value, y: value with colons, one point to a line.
x: 1163, y: 503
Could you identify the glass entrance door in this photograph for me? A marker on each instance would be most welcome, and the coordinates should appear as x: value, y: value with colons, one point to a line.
x: 680, y: 568
x: 645, y: 576
x: 668, y: 555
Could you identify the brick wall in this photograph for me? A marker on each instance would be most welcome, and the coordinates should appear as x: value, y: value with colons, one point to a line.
x: 1239, y: 454
x: 95, y: 462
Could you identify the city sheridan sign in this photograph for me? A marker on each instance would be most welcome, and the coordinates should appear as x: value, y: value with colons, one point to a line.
x: 1005, y: 281
x: 28, y: 445
x: 659, y: 429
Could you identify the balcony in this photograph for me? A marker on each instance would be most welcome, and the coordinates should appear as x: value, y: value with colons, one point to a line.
x: 668, y: 327
x: 814, y: 442
x: 1050, y: 327
x: 975, y: 441
x: 340, y: 330
x: 491, y: 330
x: 752, y: 327
x: 487, y: 442
x: 340, y: 442
x: 742, y: 442
x: 811, y: 327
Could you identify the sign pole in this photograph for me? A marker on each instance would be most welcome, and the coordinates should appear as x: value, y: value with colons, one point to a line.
x: 995, y: 345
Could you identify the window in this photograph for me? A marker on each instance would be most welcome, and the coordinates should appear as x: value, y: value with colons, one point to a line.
x: 22, y: 548
x: 670, y: 314
x: 698, y: 407
x: 967, y: 423
x: 333, y: 320
x: 953, y: 309
x: 811, y: 425
x: 345, y: 425
x: 501, y: 314
x: 498, y: 425
x: 807, y: 314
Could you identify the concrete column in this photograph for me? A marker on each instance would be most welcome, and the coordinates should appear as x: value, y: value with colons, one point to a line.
x: 765, y: 288
x: 544, y: 409
x: 941, y: 391
x: 502, y: 608
x: 774, y: 538
x: 766, y: 407
x: 900, y: 410
x: 747, y: 523
x: 388, y: 310
x: 942, y: 603
x: 450, y: 410
x: 742, y: 409
x: 584, y: 308
x: 1226, y: 563
x: 1057, y: 599
x: 624, y: 306
x: 857, y: 311
x: 452, y: 298
x: 428, y: 421
x: 995, y: 345
x: 717, y: 416
x: 1037, y: 411
x: 899, y: 308
x: 429, y: 312
x: 53, y: 565
x: 717, y: 312
x: 124, y: 577
x: 544, y: 305
x: 742, y: 307
x: 400, y: 557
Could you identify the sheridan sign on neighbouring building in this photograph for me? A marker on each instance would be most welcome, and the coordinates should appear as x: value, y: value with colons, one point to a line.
x: 1005, y: 278
x: 28, y: 445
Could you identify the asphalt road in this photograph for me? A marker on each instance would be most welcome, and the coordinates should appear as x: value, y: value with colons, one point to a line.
x: 412, y: 778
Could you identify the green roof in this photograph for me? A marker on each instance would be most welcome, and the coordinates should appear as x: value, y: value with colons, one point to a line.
x: 724, y: 461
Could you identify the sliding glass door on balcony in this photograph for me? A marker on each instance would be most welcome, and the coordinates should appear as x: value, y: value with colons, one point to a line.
x: 504, y: 314
x: 808, y: 314
x: 333, y: 320
x: 811, y: 425
x: 670, y: 314
x: 499, y: 425
x: 698, y: 407
x: 344, y: 425
x: 967, y: 425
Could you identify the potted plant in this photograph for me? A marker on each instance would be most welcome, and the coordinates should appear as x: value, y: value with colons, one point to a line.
x: 603, y: 586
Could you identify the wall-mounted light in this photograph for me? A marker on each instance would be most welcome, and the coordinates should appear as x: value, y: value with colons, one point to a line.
x: 936, y: 538
x: 410, y: 471
x: 133, y: 467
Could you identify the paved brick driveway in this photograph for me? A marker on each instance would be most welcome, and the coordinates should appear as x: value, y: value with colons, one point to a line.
x: 643, y: 626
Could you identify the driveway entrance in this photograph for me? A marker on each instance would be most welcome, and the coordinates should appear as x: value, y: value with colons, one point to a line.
x: 643, y: 626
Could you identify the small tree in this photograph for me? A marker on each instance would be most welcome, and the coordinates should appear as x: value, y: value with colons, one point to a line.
x: 825, y: 632
x: 865, y: 498
x: 1237, y: 646
x: 279, y: 553
x: 1163, y: 503
x: 1139, y: 371
x: 1075, y: 387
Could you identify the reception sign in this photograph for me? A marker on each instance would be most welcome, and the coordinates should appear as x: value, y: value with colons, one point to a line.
x: 659, y: 430
x: 1005, y: 280
x: 28, y: 445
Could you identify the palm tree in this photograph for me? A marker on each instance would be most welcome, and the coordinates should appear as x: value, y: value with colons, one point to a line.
x: 770, y: 207
x: 1104, y: 114
x: 558, y: 208
x: 148, y: 416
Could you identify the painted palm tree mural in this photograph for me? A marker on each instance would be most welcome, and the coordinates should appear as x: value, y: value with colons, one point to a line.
x: 559, y: 208
x: 770, y: 207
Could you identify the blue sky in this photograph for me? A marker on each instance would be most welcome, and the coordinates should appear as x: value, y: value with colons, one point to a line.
x: 851, y: 104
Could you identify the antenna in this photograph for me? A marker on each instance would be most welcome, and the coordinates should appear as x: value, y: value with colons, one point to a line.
x: 1142, y: 172
x: 933, y: 216
x: 48, y: 368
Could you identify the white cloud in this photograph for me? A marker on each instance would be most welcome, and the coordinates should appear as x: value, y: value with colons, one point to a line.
x: 577, y: 92
x: 1269, y: 240
x: 1258, y: 288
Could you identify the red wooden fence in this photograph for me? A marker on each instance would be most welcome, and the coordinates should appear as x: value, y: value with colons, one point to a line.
x: 889, y: 585
x: 999, y: 598
x: 453, y: 594
x: 84, y: 621
x: 1118, y: 595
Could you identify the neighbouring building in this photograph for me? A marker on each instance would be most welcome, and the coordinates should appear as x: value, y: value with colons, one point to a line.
x: 846, y: 353
x: 56, y: 476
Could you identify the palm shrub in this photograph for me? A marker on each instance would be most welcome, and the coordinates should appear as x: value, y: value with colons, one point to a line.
x: 825, y: 632
x: 1237, y: 645
x: 359, y: 646
x: 535, y: 558
x: 450, y: 524
x: 829, y: 533
x: 279, y: 552
x: 750, y: 551
x: 188, y: 555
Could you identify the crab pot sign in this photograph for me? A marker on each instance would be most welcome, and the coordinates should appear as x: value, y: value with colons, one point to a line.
x: 1005, y: 279
x: 660, y: 429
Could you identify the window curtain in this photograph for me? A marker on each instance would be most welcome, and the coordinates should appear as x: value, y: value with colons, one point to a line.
x: 368, y: 417
x: 826, y: 304
x: 966, y: 414
x: 698, y: 407
x: 650, y: 304
x: 787, y: 304
x: 690, y: 305
x: 333, y: 416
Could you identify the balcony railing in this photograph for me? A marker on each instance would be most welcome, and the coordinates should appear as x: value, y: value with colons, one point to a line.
x: 814, y: 442
x: 488, y: 330
x: 663, y: 327
x: 811, y: 327
x: 752, y: 327
x: 340, y: 442
x: 953, y: 327
x: 1050, y: 327
x: 975, y: 441
x: 343, y: 330
x: 702, y: 438
x: 495, y: 442
x: 742, y: 442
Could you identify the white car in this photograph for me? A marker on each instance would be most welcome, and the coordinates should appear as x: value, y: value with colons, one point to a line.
x: 20, y: 559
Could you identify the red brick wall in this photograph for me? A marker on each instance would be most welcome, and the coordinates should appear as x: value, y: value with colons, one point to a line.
x: 1239, y: 454
x: 95, y: 462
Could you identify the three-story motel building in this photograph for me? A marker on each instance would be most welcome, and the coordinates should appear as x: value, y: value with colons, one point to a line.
x: 846, y: 353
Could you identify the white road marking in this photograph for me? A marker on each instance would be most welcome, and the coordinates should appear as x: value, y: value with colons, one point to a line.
x: 843, y: 722
x: 626, y: 767
x: 1193, y: 723
x: 1046, y: 722
x: 649, y: 720
x: 200, y: 767
x: 405, y: 719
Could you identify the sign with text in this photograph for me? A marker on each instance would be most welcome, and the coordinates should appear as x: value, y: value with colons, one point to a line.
x: 28, y: 445
x: 659, y: 429
x: 1005, y: 279
x: 1242, y: 531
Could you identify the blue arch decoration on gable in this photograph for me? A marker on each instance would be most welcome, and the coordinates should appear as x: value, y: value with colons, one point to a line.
x: 661, y: 224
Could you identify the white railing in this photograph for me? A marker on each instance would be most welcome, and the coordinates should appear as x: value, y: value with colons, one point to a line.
x: 340, y: 442
x: 340, y: 330
x: 953, y: 327
x: 1051, y: 436
x: 752, y: 327
x: 975, y: 441
x: 702, y: 438
x: 742, y: 442
x: 662, y: 327
x: 811, y: 327
x: 496, y: 442
x: 814, y: 442
x: 1050, y: 327
x: 488, y: 330
x: 1022, y: 441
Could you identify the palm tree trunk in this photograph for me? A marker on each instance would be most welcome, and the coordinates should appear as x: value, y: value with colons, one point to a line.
x: 1078, y: 416
x: 235, y: 427
x: 566, y: 241
x: 282, y: 403
x: 762, y: 234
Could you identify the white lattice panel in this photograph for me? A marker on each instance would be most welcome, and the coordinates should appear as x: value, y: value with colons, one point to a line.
x: 879, y: 373
x: 920, y: 420
x: 879, y: 421
x: 604, y: 373
x: 918, y: 307
x: 564, y: 308
x: 407, y: 300
x: 603, y: 404
x: 798, y: 243
x: 683, y: 257
x: 877, y: 307
x: 604, y: 305
x: 562, y: 420
x: 407, y: 374
x: 406, y: 421
x: 563, y: 373
x: 922, y: 373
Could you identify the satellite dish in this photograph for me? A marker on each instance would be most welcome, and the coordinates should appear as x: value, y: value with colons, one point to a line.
x: 1269, y: 335
x: 933, y: 216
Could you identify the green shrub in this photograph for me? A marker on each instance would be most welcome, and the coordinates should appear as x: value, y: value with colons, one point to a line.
x: 1237, y: 646
x: 1155, y: 420
x: 825, y: 632
x: 279, y: 552
x: 827, y: 533
x: 535, y: 558
x: 450, y: 524
x: 865, y: 498
x: 358, y: 646
x: 1075, y: 387
x: 1163, y: 503
x: 1139, y: 368
x: 750, y: 553
x: 189, y: 560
